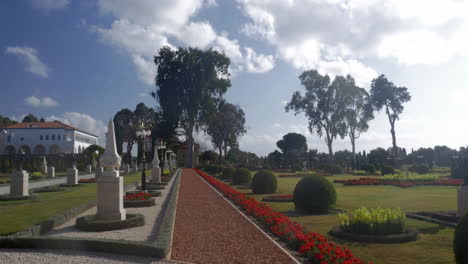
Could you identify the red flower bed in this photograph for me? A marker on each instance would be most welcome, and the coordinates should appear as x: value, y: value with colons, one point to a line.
x: 375, y: 181
x: 87, y: 181
x: 138, y: 196
x: 315, y: 247
x: 165, y: 178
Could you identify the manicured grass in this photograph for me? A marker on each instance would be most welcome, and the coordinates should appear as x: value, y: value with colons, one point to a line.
x: 19, y: 215
x: 435, y: 245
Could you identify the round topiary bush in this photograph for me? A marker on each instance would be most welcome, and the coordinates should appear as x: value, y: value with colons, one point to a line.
x: 228, y: 173
x: 460, y: 241
x: 263, y: 182
x: 314, y: 194
x: 241, y: 176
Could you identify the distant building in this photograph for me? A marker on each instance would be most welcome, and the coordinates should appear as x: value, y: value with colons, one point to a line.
x: 44, y: 138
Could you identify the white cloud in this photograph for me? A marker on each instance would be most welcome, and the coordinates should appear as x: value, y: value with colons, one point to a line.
x: 84, y: 122
x: 40, y: 102
x: 50, y: 5
x: 310, y: 34
x: 30, y: 57
x: 258, y: 63
x: 142, y: 27
x: 141, y: 95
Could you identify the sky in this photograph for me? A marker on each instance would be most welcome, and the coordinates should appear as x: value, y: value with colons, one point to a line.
x: 82, y: 61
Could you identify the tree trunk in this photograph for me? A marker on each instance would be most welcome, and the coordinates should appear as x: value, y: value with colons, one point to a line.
x: 225, y: 152
x: 394, y: 149
x: 220, y: 149
x: 191, y: 158
x: 329, y: 144
x: 353, y: 146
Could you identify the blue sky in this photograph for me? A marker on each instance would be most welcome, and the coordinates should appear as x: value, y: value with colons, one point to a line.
x: 81, y: 61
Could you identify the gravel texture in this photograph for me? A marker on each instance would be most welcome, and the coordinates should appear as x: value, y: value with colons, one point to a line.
x: 142, y: 233
x: 30, y: 256
x: 209, y: 230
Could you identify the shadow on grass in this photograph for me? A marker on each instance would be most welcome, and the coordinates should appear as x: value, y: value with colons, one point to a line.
x: 300, y: 213
x: 431, y: 230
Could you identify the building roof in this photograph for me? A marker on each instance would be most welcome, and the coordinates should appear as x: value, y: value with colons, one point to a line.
x: 54, y: 124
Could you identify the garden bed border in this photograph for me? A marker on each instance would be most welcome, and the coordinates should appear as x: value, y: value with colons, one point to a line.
x: 409, y: 236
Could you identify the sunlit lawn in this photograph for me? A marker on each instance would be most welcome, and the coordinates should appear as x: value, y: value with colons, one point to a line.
x: 435, y: 245
x: 18, y: 215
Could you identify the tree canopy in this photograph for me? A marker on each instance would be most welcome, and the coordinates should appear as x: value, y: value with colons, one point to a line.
x: 189, y: 85
x: 5, y: 121
x: 30, y: 118
x: 386, y: 95
x: 225, y: 127
x: 293, y: 146
x: 322, y: 104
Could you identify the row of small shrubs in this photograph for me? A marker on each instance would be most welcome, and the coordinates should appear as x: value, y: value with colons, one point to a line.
x: 374, y: 221
x: 419, y: 168
x: 37, y: 175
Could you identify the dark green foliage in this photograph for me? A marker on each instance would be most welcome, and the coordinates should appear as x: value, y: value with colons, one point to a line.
x: 214, y: 169
x: 5, y: 121
x: 387, y: 170
x: 228, y: 173
x: 460, y: 241
x: 315, y: 194
x: 30, y: 118
x: 295, y: 167
x: 332, y: 168
x: 419, y: 168
x: 241, y: 176
x: 264, y: 182
x: 369, y: 168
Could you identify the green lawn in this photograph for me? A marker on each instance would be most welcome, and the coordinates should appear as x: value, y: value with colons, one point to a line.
x: 19, y: 215
x: 435, y: 245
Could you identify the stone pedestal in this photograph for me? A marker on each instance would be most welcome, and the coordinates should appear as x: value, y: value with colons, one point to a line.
x: 51, y: 172
x: 155, y: 174
x: 462, y: 201
x: 89, y: 169
x: 99, y: 171
x: 19, y: 184
x: 72, y: 176
x: 44, y: 169
x: 110, y: 197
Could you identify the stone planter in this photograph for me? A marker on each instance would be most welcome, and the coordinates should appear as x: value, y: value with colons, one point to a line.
x: 408, y: 236
x: 139, y: 203
x: 90, y: 224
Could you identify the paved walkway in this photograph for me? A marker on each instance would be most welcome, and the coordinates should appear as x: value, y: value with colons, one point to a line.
x: 38, y: 184
x: 209, y: 230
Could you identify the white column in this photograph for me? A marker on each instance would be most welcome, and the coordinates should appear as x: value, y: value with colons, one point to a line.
x: 19, y: 183
x: 51, y: 172
x: 110, y: 185
x: 72, y: 175
x: 155, y: 170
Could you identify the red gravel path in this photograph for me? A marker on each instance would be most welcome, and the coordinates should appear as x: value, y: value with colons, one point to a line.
x: 208, y: 230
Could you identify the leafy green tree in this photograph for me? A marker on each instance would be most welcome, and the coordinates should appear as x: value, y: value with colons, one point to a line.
x: 5, y: 121
x: 208, y: 156
x: 30, y: 118
x: 225, y: 127
x: 358, y: 111
x: 322, y: 104
x: 275, y: 158
x: 386, y: 95
x: 189, y: 85
x: 124, y: 130
x: 377, y: 157
x: 90, y: 152
x: 293, y: 146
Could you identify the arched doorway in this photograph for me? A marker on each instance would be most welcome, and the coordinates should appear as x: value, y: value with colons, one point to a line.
x: 25, y: 149
x: 9, y: 150
x: 54, y: 149
x: 39, y: 149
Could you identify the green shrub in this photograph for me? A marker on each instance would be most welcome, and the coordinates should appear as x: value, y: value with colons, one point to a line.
x: 332, y: 168
x: 460, y: 241
x: 314, y: 194
x: 36, y: 175
x: 214, y: 169
x: 228, y: 173
x: 264, y: 182
x: 360, y: 173
x: 241, y: 176
x: 419, y: 168
x: 374, y: 221
x: 295, y: 168
x: 387, y: 170
x: 370, y: 168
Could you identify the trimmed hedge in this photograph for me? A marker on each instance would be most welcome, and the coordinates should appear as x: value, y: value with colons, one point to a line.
x: 264, y: 182
x: 314, y: 194
x: 228, y: 173
x: 241, y: 177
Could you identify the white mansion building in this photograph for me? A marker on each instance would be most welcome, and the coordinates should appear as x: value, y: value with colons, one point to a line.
x: 44, y: 138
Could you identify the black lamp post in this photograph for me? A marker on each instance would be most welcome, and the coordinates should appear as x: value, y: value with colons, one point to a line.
x: 142, y: 133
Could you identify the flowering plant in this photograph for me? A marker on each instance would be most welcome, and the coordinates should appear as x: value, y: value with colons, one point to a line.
x: 315, y: 247
x: 141, y: 196
x: 87, y: 181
